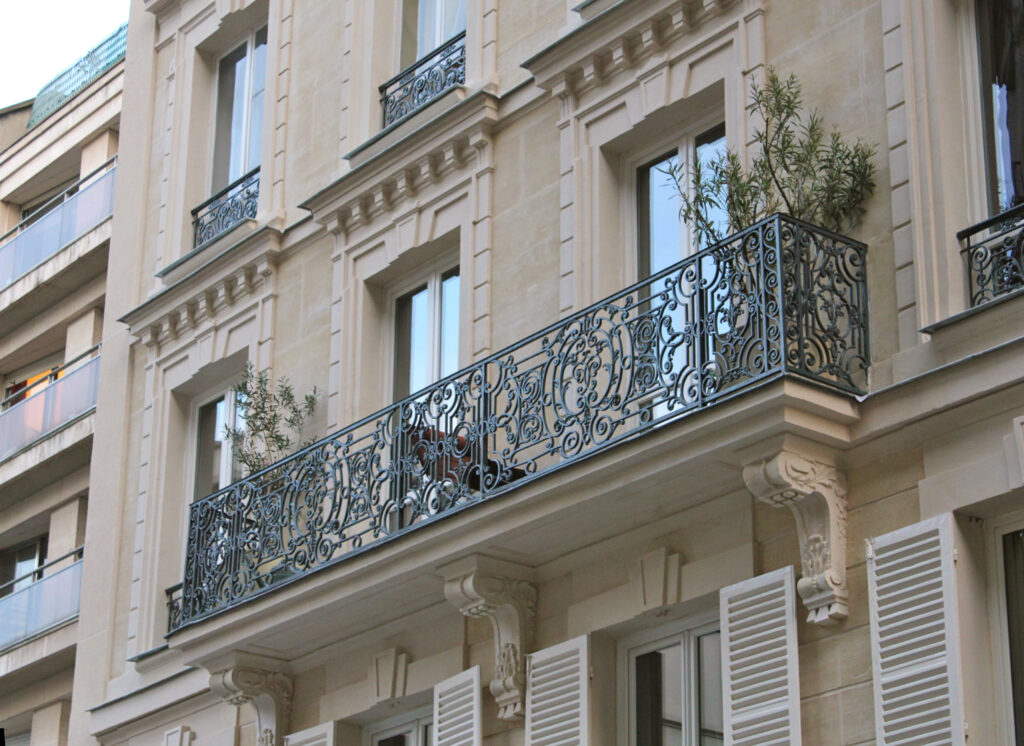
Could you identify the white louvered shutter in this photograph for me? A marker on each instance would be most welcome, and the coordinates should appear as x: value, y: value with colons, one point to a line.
x: 760, y: 669
x: 914, y: 646
x: 558, y: 695
x: 457, y: 719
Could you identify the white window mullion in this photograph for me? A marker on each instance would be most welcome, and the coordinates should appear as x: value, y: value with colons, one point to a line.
x: 760, y: 668
x: 914, y: 635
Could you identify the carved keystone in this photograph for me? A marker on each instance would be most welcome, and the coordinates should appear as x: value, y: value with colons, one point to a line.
x: 816, y: 493
x: 269, y: 692
x: 485, y: 587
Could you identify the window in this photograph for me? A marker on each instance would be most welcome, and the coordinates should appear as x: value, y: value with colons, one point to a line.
x: 239, y: 127
x: 216, y: 466
x: 427, y: 333
x: 1001, y: 41
x: 413, y: 729
x: 436, y: 21
x: 1013, y: 573
x: 661, y: 238
x: 32, y: 379
x: 19, y: 564
x: 675, y: 688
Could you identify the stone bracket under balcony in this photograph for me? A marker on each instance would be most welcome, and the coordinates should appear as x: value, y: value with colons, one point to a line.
x: 815, y: 491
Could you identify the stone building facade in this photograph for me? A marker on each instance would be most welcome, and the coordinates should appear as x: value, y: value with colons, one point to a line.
x: 581, y: 480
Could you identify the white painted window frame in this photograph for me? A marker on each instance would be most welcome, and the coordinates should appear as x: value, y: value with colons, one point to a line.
x: 999, y: 626
x: 686, y: 631
x: 408, y: 723
x: 227, y: 392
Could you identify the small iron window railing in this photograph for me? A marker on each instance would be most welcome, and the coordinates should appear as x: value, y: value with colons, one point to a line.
x: 227, y: 208
x: 71, y: 393
x: 780, y: 298
x: 993, y: 251
x: 61, y: 220
x: 424, y: 80
x: 48, y: 599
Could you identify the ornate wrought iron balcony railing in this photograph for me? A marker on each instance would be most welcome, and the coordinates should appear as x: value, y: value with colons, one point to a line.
x: 994, y: 253
x: 780, y: 298
x: 226, y: 209
x: 424, y: 80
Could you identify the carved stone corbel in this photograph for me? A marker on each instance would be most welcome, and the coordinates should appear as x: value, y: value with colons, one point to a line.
x: 269, y: 693
x: 480, y: 588
x: 816, y: 493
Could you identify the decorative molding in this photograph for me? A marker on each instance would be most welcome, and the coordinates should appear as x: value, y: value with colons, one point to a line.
x: 269, y: 693
x: 657, y: 580
x: 482, y: 588
x: 180, y: 736
x: 816, y: 493
x: 388, y: 674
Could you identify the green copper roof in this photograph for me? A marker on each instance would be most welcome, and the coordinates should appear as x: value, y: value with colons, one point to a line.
x: 65, y: 86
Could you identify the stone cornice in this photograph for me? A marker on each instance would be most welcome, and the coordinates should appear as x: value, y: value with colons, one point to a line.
x: 445, y: 145
x: 622, y: 37
x: 237, y: 272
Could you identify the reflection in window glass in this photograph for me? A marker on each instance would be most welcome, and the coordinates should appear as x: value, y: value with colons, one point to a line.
x: 1001, y: 28
x: 427, y: 333
x: 712, y: 727
x: 660, y: 239
x: 1013, y: 566
x: 241, y: 83
x: 439, y: 21
x: 215, y: 466
x: 710, y: 147
x: 659, y: 697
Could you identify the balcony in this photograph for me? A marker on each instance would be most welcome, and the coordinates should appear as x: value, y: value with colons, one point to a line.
x: 226, y: 209
x: 424, y: 80
x: 993, y: 251
x: 70, y: 394
x: 779, y: 299
x: 56, y: 224
x: 41, y: 600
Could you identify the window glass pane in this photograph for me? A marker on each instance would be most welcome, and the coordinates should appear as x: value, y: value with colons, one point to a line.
x: 427, y: 36
x: 1001, y: 27
x: 454, y: 20
x: 659, y: 697
x: 709, y: 147
x: 450, y: 323
x: 709, y: 683
x: 259, y: 75
x: 210, y: 448
x: 230, y: 118
x: 660, y: 237
x: 412, y: 342
x: 400, y: 740
x: 1013, y: 566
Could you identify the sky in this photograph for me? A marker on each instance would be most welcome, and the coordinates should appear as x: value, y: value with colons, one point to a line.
x: 44, y: 37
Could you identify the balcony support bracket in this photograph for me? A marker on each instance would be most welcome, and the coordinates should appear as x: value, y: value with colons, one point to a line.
x: 484, y: 587
x: 815, y: 491
x: 269, y: 693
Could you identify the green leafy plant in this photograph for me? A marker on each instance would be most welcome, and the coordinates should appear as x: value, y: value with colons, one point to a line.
x: 273, y: 420
x: 799, y: 168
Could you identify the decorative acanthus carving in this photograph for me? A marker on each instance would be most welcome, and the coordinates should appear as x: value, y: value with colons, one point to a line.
x: 511, y: 605
x: 816, y: 493
x: 269, y: 693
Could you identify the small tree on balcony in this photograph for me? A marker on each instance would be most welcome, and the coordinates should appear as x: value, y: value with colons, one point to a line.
x: 273, y: 420
x: 799, y: 168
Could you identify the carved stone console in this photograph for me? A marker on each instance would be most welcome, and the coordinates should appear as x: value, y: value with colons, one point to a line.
x: 816, y: 493
x: 484, y: 587
x: 269, y: 692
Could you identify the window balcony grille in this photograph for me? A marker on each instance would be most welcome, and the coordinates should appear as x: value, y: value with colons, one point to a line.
x: 65, y: 218
x: 993, y: 251
x: 71, y: 394
x: 229, y: 207
x: 781, y: 298
x: 40, y: 600
x: 424, y: 80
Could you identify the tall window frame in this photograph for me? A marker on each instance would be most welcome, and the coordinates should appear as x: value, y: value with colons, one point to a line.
x: 686, y: 633
x: 239, y: 96
x: 415, y: 728
x: 24, y: 561
x: 697, y: 140
x: 1007, y: 689
x: 427, y: 25
x: 206, y: 427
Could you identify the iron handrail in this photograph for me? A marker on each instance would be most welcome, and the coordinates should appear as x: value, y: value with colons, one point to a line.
x: 779, y: 298
x: 62, y: 197
x: 424, y: 80
x: 989, y: 222
x: 993, y: 252
x: 226, y: 190
x: 53, y: 375
x: 78, y: 553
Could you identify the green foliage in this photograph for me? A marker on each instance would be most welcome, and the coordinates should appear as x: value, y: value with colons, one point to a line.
x: 799, y: 169
x: 273, y: 420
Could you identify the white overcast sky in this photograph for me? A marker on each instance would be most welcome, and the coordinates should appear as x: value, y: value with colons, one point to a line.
x: 41, y: 38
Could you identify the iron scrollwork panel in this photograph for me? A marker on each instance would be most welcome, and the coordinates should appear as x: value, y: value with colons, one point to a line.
x: 779, y: 297
x: 229, y: 207
x: 425, y: 80
x: 994, y: 254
